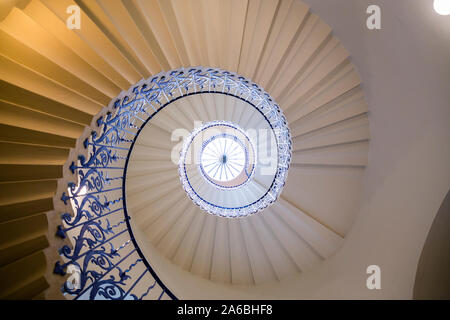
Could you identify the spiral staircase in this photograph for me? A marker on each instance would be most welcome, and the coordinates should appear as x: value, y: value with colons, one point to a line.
x: 105, y: 100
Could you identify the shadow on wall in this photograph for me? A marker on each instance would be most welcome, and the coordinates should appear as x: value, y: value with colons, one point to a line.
x: 7, y: 5
x: 433, y: 270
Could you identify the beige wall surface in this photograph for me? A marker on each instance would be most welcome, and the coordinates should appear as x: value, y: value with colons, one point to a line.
x: 406, y: 72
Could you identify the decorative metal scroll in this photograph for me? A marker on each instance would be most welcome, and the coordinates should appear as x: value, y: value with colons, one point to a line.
x: 104, y: 260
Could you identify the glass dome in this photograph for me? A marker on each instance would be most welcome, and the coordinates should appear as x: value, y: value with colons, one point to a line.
x: 223, y: 159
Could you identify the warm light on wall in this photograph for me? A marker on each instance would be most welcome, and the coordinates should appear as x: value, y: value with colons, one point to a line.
x: 442, y: 7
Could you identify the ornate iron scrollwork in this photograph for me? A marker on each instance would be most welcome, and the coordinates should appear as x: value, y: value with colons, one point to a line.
x: 111, y: 265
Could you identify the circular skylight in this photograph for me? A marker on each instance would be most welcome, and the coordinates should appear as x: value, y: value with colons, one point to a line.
x: 224, y: 173
x: 222, y: 153
x: 223, y: 158
x: 238, y: 165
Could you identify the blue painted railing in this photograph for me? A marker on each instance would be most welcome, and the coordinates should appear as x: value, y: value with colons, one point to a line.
x: 103, y: 260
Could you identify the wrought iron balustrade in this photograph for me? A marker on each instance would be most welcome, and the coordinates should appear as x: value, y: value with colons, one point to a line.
x: 104, y: 260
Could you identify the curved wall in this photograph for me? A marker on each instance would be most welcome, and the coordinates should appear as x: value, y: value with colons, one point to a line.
x: 404, y: 68
x: 433, y: 277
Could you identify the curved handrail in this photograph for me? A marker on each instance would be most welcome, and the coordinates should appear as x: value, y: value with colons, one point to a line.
x: 104, y: 259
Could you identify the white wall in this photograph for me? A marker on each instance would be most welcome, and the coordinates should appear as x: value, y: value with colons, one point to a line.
x: 405, y: 68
